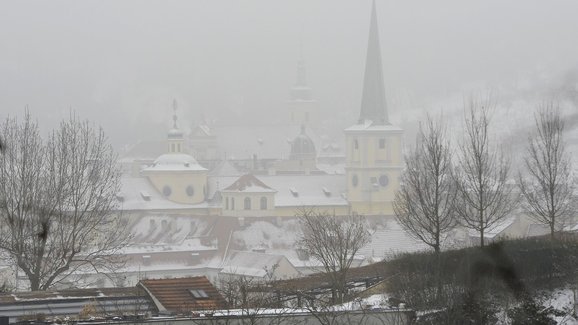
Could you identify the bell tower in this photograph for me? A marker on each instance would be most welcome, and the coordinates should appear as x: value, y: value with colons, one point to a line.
x: 373, y: 144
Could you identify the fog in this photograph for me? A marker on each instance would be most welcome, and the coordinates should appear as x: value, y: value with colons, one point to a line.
x: 121, y: 63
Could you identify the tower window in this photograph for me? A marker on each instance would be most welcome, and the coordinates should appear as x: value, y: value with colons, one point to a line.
x: 263, y: 203
x: 247, y: 203
x: 381, y: 143
x: 190, y: 190
x: 354, y: 180
x: 167, y: 191
x: 383, y: 180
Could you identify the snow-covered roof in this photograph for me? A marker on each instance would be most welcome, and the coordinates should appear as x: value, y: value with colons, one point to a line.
x: 308, y: 190
x: 496, y: 229
x: 137, y: 193
x: 390, y: 239
x: 248, y: 183
x: 368, y: 125
x: 296, y: 190
x: 251, y: 263
x: 540, y: 229
x: 175, y: 162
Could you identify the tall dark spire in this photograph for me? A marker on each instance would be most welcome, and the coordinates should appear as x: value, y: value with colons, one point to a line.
x: 373, y: 105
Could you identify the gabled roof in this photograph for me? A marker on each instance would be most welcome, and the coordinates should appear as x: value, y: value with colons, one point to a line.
x: 181, y: 295
x: 248, y: 183
x: 254, y: 264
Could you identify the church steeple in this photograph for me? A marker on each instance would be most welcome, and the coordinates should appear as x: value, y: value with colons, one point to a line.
x: 373, y: 104
x: 175, y: 135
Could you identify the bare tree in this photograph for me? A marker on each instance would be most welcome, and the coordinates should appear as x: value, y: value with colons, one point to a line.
x: 549, y: 186
x: 424, y: 202
x: 484, y: 197
x: 58, y: 201
x: 333, y: 241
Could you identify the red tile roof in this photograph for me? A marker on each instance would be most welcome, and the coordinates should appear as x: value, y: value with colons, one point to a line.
x: 174, y: 295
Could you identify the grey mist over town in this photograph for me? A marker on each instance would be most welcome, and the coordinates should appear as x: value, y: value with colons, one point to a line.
x: 289, y: 162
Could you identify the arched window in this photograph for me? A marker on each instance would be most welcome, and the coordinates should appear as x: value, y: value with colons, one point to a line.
x: 247, y: 203
x: 227, y: 203
x: 167, y: 191
x: 232, y: 203
x: 263, y: 203
x: 190, y: 190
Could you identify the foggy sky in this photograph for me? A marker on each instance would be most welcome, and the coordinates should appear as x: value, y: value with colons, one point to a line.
x: 121, y: 63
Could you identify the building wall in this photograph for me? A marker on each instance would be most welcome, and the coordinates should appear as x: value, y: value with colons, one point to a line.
x: 179, y: 182
x: 238, y: 209
x: 373, y: 167
x: 303, y: 112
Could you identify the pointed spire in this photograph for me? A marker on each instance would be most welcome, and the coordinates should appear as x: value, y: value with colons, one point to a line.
x: 301, y: 73
x: 373, y: 105
x: 300, y: 91
x: 175, y: 114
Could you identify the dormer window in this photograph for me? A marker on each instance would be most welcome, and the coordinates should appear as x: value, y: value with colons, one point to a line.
x: 145, y: 195
x: 198, y: 294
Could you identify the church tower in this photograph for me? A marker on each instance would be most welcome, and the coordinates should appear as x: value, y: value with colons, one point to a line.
x: 302, y: 106
x: 373, y: 145
x: 175, y: 174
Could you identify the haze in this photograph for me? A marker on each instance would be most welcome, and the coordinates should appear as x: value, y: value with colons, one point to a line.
x: 121, y: 63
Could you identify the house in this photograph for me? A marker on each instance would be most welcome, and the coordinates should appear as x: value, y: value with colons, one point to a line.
x: 182, y: 295
x: 74, y: 303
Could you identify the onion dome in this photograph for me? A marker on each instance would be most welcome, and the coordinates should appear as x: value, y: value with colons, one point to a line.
x: 302, y: 147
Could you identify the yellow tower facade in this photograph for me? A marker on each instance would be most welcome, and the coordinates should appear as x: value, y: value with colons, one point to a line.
x: 373, y: 145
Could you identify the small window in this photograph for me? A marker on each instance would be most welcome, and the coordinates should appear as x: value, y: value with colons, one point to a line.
x: 167, y: 191
x: 232, y: 203
x: 247, y: 203
x: 383, y: 180
x: 263, y: 203
x: 198, y: 293
x: 354, y: 180
x: 355, y: 144
x: 227, y: 204
x: 190, y: 190
x: 381, y: 143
